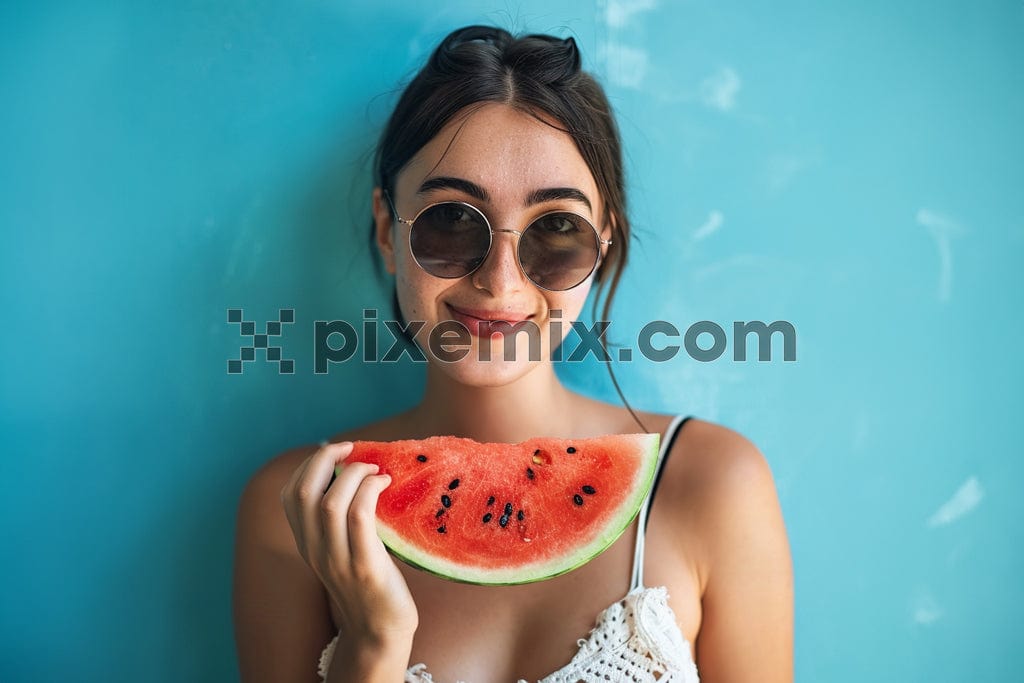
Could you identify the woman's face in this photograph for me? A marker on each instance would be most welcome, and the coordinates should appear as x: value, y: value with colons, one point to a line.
x: 509, y: 155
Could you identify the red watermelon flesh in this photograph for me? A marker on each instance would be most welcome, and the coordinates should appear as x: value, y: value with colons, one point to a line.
x: 498, y: 513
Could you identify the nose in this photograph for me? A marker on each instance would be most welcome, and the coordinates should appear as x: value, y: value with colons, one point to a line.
x: 500, y: 272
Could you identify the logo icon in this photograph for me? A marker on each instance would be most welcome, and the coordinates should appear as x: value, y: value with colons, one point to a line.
x: 247, y: 354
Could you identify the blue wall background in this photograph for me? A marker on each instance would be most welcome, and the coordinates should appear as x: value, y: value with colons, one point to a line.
x: 854, y: 168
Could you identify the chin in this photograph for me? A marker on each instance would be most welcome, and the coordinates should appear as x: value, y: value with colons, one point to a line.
x: 496, y: 372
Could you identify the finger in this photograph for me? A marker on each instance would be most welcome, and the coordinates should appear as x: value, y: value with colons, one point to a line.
x: 366, y: 547
x: 310, y: 488
x: 290, y: 486
x: 289, y: 501
x: 334, y: 510
x: 296, y: 474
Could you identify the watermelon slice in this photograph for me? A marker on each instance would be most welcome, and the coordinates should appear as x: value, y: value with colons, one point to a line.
x: 501, y: 514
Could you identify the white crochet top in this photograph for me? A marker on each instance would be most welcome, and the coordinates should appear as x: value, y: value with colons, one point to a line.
x: 634, y: 639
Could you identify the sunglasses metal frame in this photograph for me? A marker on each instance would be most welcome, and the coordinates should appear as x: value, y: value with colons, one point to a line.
x: 518, y: 233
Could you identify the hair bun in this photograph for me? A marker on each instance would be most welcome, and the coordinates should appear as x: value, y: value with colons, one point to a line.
x: 465, y: 46
x: 545, y: 58
x: 550, y: 59
x: 573, y: 53
x: 481, y: 34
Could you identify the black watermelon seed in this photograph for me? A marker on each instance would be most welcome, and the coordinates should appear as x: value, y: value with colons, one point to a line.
x: 520, y: 515
x: 487, y: 518
x: 578, y: 499
x: 439, y: 513
x: 446, y: 501
x: 490, y: 501
x: 529, y: 473
x: 589, y: 490
x: 503, y: 521
x: 508, y: 508
x: 537, y: 452
x: 421, y: 458
x: 570, y: 449
x: 454, y: 485
x: 441, y: 529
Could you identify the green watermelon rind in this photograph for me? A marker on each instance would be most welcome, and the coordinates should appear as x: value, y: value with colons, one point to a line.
x: 564, y: 564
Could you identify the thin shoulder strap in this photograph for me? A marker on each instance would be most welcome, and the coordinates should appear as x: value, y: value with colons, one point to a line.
x: 645, y: 511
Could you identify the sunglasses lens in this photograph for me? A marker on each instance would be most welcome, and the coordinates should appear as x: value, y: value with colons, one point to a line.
x: 450, y: 240
x: 558, y: 251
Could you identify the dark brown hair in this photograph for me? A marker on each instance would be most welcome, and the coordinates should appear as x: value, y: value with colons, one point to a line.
x: 538, y: 74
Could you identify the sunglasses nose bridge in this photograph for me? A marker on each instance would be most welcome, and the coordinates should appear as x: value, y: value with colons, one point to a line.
x: 515, y: 249
x: 496, y: 264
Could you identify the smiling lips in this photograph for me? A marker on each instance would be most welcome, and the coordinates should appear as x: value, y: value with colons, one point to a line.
x: 483, y: 323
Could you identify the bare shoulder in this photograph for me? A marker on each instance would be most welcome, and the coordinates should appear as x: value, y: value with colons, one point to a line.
x: 265, y: 484
x: 707, y: 455
x: 711, y: 468
x: 718, y: 487
x: 725, y: 499
x: 281, y: 610
x: 718, y: 461
x: 278, y: 604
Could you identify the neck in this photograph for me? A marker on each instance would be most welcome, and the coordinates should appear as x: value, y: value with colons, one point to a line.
x: 536, y: 404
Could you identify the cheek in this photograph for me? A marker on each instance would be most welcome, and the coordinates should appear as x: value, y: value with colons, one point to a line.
x: 573, y: 301
x: 417, y: 291
x: 571, y: 304
x: 409, y: 302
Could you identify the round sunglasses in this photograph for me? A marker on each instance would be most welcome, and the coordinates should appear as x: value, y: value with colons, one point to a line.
x: 556, y: 251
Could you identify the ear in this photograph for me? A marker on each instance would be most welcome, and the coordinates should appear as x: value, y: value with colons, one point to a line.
x: 384, y: 224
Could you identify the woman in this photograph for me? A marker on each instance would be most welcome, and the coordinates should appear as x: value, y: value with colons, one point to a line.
x: 496, y: 134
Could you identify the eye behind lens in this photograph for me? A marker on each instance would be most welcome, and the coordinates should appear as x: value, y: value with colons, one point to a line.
x: 559, y: 250
x: 453, y: 217
x: 562, y: 223
x: 449, y: 239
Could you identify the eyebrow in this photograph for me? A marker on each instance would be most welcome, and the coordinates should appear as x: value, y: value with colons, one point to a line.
x: 546, y: 194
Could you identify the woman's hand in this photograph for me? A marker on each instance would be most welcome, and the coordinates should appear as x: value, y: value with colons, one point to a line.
x: 334, y: 524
